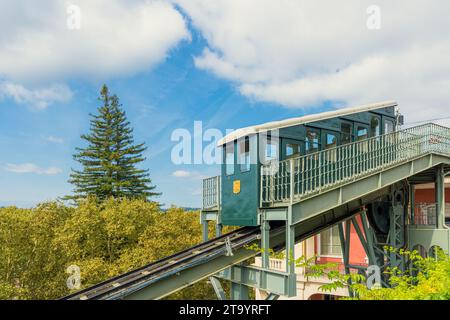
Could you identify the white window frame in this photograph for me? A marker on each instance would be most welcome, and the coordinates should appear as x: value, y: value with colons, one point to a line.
x: 319, y: 250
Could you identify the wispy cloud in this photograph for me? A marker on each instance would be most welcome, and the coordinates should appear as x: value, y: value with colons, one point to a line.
x: 181, y: 174
x: 187, y: 174
x: 54, y: 139
x: 31, y: 168
x: 39, y: 98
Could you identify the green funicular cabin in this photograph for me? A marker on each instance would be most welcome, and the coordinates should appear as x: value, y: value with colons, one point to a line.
x: 235, y: 195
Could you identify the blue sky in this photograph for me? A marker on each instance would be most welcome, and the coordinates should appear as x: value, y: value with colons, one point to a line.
x: 172, y: 95
x: 226, y: 63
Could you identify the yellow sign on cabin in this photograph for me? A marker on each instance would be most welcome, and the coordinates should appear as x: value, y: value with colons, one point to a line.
x: 236, y: 186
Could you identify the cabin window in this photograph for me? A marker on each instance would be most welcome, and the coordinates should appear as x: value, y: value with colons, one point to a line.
x: 330, y: 244
x: 229, y: 159
x: 361, y: 133
x: 244, y: 154
x: 312, y: 140
x: 374, y: 127
x: 292, y: 150
x: 388, y: 126
x: 331, y: 142
x: 271, y: 151
x: 346, y: 132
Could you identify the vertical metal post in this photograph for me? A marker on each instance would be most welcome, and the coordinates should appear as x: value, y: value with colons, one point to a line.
x: 412, y: 203
x: 440, y: 196
x: 218, y: 229
x: 290, y: 243
x: 290, y: 254
x: 345, y: 246
x: 238, y: 291
x: 292, y: 180
x: 265, y: 245
x: 204, y: 223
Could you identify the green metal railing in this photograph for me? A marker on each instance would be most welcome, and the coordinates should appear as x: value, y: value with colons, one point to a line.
x: 211, y: 193
x: 294, y: 179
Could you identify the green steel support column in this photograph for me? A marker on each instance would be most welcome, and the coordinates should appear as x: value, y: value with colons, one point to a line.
x: 345, y: 246
x: 239, y: 291
x: 219, y: 225
x: 411, y: 202
x: 369, y: 238
x: 265, y: 245
x: 218, y: 229
x: 205, y: 230
x: 290, y: 244
x: 290, y: 253
x: 440, y: 197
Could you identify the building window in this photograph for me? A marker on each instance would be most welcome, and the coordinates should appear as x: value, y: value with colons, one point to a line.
x: 388, y: 126
x: 312, y: 141
x: 244, y: 154
x: 346, y: 132
x: 229, y: 158
x: 374, y: 127
x: 330, y: 244
x: 292, y: 150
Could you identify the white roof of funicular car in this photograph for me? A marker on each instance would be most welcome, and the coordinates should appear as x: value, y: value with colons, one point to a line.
x: 247, y: 131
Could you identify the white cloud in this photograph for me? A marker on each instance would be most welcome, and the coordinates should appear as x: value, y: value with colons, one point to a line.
x: 187, y: 174
x: 301, y: 53
x: 54, y: 139
x: 116, y: 38
x: 181, y: 174
x: 39, y: 98
x: 31, y: 168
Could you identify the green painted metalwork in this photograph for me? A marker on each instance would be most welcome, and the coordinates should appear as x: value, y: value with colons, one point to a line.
x: 211, y: 207
x: 240, y: 205
x: 217, y: 286
x: 440, y: 197
x: 359, y: 188
x: 211, y: 193
x: 276, y: 282
x: 328, y: 169
x: 396, y: 236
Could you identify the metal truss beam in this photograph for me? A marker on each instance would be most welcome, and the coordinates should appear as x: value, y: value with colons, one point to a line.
x: 275, y: 282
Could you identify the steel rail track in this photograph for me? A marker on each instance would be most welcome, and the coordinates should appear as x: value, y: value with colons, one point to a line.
x: 133, y: 280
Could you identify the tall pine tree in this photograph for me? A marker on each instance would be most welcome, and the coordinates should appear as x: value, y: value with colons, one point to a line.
x: 109, y: 161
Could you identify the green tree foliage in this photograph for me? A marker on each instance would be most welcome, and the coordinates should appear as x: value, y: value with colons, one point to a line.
x: 426, y: 279
x: 103, y: 239
x: 109, y: 161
